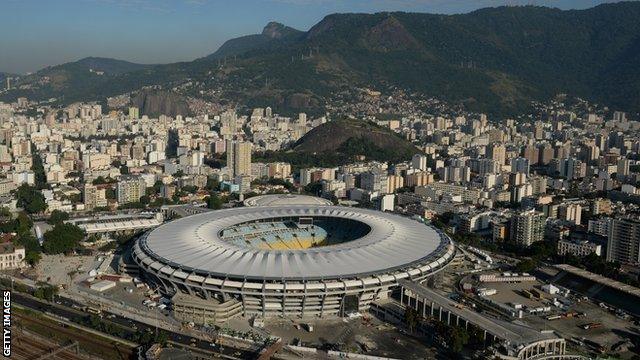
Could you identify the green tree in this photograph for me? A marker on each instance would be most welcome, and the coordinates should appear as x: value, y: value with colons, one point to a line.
x: 313, y: 188
x: 212, y: 184
x: 214, y: 202
x: 411, y: 318
x: 459, y: 337
x: 190, y: 189
x: 110, y: 194
x: 31, y: 247
x: 58, y: 217
x: 30, y: 199
x: 38, y: 170
x: 62, y: 238
x: 22, y: 224
x: 527, y: 265
x: 45, y: 292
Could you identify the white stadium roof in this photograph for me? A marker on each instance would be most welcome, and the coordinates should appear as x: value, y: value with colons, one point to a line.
x: 285, y: 199
x: 193, y: 244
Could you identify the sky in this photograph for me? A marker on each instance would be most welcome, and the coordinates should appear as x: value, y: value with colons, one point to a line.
x: 39, y: 33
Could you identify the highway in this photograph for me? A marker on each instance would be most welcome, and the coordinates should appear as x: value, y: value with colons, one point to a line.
x: 69, y: 309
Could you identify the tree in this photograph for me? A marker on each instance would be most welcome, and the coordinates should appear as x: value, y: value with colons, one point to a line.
x: 100, y: 180
x: 38, y: 171
x: 22, y: 224
x: 212, y: 184
x: 527, y: 265
x: 31, y: 247
x: 214, y: 202
x: 110, y: 194
x: 62, y: 238
x: 411, y: 317
x: 189, y: 189
x: 46, y: 292
x: 58, y: 217
x: 459, y: 338
x: 313, y: 188
x: 30, y: 199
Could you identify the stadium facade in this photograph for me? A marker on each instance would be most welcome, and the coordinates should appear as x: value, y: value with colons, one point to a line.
x: 296, y: 260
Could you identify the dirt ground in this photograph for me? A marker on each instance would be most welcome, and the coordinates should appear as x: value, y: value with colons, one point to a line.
x: 55, y: 269
x: 362, y: 335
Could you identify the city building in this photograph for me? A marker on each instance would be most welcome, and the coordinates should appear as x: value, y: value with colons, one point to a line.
x: 526, y: 228
x: 624, y: 241
x: 238, y: 157
x: 578, y: 248
x: 130, y: 189
x: 11, y: 256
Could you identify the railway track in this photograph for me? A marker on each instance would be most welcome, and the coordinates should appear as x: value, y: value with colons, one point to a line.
x: 29, y: 346
x: 88, y: 342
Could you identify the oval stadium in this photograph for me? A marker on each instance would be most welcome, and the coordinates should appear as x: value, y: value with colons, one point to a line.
x: 286, y: 260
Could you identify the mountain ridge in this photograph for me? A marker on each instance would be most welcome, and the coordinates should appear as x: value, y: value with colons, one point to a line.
x: 493, y: 60
x: 273, y: 32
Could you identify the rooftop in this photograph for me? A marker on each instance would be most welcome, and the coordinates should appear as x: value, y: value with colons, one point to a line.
x: 194, y: 244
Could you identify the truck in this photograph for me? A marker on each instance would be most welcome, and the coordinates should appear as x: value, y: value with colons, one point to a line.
x: 589, y: 326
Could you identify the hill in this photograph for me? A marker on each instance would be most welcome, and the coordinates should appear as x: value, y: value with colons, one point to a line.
x: 494, y: 60
x: 355, y: 137
x: 156, y: 103
x: 339, y: 142
x: 3, y: 76
x: 272, y: 34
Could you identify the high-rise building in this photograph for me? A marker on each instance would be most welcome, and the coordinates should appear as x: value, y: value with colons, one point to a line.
x: 623, y: 167
x: 601, y: 206
x: 8, y: 83
x: 531, y: 153
x: 520, y: 165
x: 572, y: 168
x: 134, y: 112
x: 94, y: 197
x: 546, y: 154
x: 497, y: 152
x: 619, y: 116
x: 527, y: 227
x: 373, y: 181
x: 130, y: 189
x: 239, y: 157
x: 419, y: 162
x: 624, y: 241
x: 420, y: 178
x: 571, y: 212
x: 394, y: 182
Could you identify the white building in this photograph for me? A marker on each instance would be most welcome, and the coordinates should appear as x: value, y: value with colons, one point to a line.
x: 11, y: 256
x: 578, y: 248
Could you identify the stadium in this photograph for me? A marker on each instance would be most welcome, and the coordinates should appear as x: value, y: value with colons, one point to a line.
x: 287, y: 260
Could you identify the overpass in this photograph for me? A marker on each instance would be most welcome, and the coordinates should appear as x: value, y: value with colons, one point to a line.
x: 525, y: 342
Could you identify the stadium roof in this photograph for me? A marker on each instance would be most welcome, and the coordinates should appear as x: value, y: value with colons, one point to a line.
x: 285, y: 199
x: 193, y: 244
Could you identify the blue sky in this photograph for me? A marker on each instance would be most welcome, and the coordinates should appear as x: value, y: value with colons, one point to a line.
x: 38, y: 33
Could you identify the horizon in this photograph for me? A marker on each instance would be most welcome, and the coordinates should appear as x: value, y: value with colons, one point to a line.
x: 169, y: 31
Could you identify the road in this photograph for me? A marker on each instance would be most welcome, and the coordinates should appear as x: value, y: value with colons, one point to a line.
x: 69, y: 309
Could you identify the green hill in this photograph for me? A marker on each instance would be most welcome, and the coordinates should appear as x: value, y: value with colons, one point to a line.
x: 273, y: 34
x: 494, y: 60
x: 351, y: 138
x: 342, y: 141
